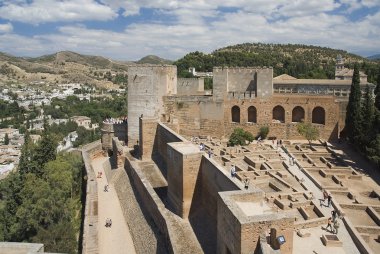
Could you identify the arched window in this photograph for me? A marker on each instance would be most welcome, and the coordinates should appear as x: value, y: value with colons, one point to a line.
x: 298, y: 114
x: 318, y: 115
x: 279, y: 114
x: 252, y: 114
x: 235, y: 113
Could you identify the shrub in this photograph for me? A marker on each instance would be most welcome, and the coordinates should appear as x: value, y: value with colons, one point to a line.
x: 263, y: 133
x: 239, y: 136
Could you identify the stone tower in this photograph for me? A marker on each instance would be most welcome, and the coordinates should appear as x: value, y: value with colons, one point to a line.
x: 147, y: 85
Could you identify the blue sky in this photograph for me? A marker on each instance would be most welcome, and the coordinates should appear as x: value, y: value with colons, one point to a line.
x: 131, y: 29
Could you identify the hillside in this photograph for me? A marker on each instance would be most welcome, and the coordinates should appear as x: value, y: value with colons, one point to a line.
x: 374, y: 57
x: 63, y: 67
x: 301, y: 61
x: 151, y: 59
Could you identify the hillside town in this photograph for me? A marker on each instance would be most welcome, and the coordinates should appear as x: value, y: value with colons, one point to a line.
x: 30, y: 98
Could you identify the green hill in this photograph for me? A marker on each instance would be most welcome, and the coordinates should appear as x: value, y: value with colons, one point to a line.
x: 151, y: 59
x: 301, y: 61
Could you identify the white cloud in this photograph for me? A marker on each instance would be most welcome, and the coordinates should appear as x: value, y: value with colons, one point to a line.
x: 6, y: 28
x: 201, y: 25
x: 42, y: 11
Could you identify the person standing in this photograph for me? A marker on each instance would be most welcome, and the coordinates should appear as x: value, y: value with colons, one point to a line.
x: 246, y: 183
x: 329, y: 200
x: 233, y: 171
x: 336, y: 226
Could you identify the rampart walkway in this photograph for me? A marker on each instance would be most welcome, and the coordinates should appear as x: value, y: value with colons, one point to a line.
x: 115, y: 239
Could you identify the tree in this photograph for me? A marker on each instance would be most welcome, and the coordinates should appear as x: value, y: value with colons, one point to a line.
x: 367, y: 119
x: 6, y: 139
x: 239, y: 136
x: 352, y: 125
x: 377, y: 91
x: 264, y: 132
x: 309, y: 131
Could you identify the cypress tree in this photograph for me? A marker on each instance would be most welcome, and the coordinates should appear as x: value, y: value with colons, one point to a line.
x: 377, y: 91
x: 367, y: 119
x: 353, y: 108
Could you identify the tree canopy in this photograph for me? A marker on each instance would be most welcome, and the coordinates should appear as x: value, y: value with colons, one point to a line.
x: 309, y: 131
x: 41, y: 201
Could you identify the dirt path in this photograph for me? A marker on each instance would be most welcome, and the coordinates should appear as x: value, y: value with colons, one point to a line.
x: 115, y: 239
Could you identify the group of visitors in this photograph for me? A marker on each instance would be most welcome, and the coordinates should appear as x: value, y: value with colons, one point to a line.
x: 328, y: 197
x: 108, y: 223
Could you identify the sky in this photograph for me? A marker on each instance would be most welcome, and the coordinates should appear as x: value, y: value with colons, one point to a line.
x: 131, y: 29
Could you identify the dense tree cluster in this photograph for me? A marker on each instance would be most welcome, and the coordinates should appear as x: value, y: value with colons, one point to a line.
x: 362, y: 127
x: 12, y: 114
x: 41, y: 201
x: 97, y: 110
x: 300, y: 61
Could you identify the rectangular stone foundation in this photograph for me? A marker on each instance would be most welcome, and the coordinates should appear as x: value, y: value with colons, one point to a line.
x: 331, y: 241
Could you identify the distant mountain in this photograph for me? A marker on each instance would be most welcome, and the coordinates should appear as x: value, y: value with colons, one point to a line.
x: 374, y: 57
x: 61, y: 67
x: 301, y: 61
x: 151, y: 59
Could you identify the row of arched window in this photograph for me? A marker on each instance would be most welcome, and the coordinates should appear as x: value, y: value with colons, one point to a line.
x: 278, y: 114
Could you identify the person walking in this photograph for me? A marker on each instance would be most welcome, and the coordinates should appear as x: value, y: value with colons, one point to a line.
x: 329, y: 224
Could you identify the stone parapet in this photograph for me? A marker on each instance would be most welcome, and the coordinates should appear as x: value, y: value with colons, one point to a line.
x: 90, y: 224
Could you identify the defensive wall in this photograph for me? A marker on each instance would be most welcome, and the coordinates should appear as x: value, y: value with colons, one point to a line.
x: 90, y: 224
x: 112, y: 130
x: 190, y: 86
x: 197, y: 116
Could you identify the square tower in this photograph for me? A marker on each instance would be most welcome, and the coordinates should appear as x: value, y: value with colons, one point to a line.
x: 147, y: 85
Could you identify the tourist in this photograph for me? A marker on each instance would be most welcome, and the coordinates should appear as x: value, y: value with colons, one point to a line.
x: 334, y: 215
x: 106, y: 188
x: 329, y: 200
x: 325, y: 195
x: 246, y: 183
x: 108, y: 222
x: 233, y: 171
x: 329, y: 224
x: 209, y: 153
x: 336, y: 226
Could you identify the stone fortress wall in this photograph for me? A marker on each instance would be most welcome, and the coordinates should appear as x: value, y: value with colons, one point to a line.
x: 189, y: 201
x: 190, y: 86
